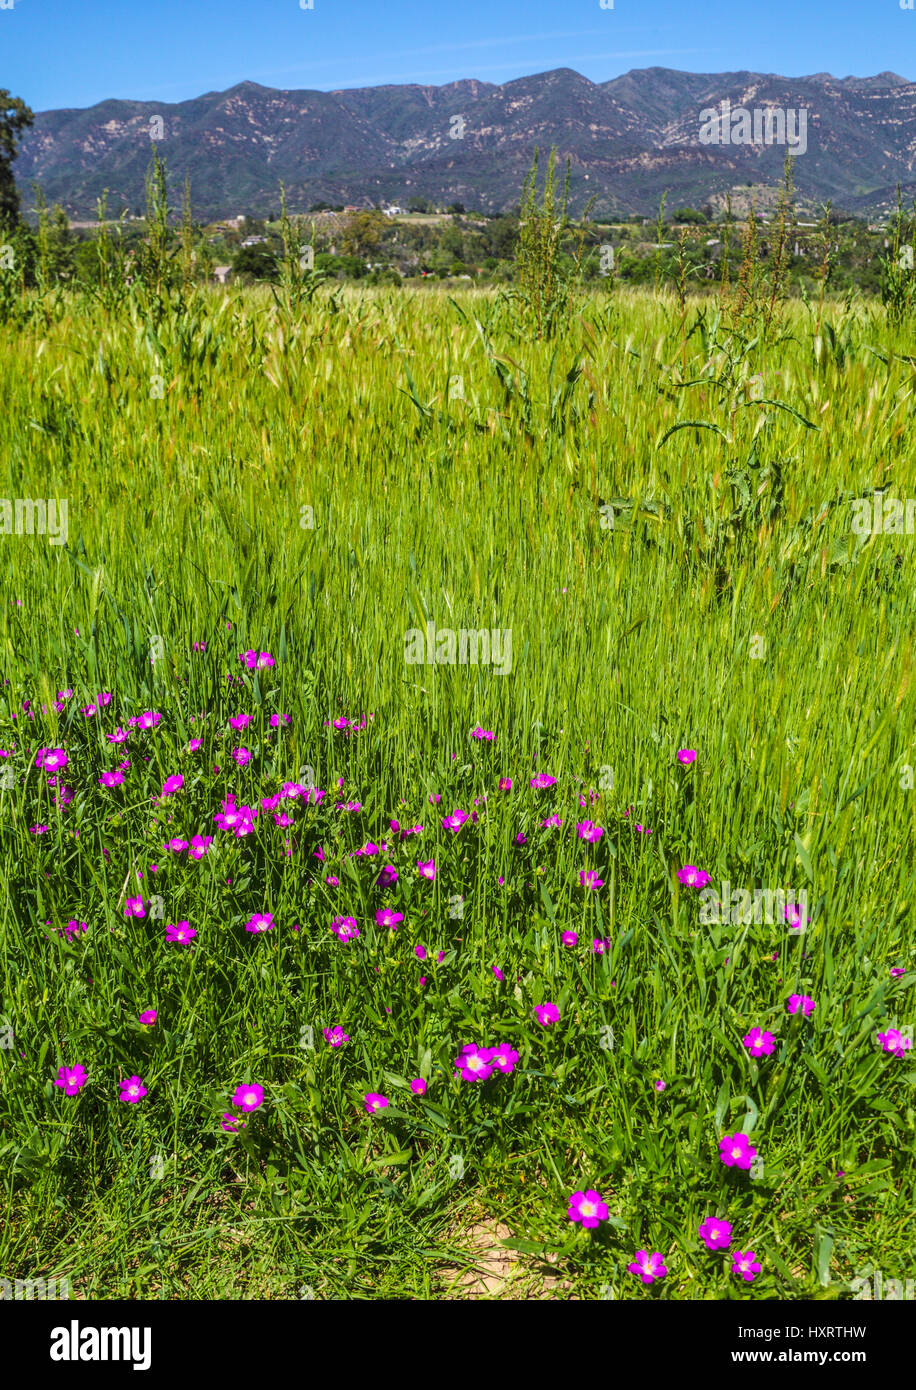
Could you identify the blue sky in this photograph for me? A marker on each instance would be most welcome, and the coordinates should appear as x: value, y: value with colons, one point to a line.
x: 57, y: 53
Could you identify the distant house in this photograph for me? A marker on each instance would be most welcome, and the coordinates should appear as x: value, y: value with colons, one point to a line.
x: 393, y: 211
x: 351, y: 207
x: 254, y: 240
x: 221, y: 273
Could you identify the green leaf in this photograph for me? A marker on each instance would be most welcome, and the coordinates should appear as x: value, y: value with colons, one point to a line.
x: 780, y: 405
x: 804, y: 857
x: 691, y: 424
x: 548, y: 904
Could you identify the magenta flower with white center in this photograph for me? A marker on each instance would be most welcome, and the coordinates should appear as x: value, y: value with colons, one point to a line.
x: 386, y: 917
x: 336, y: 1036
x: 744, y: 1262
x: 71, y: 1079
x: 228, y: 818
x: 455, y: 821
x: 587, y: 830
x: 256, y: 661
x: 569, y: 938
x: 543, y: 780
x: 482, y: 733
x: 369, y: 848
x: 149, y: 1017
x: 601, y: 945
x: 897, y: 971
x: 505, y: 784
x: 230, y: 1123
x: 241, y: 756
x: 199, y: 846
x: 261, y: 921
x: 692, y: 876
x: 735, y: 1151
x: 248, y: 1097
x: 687, y: 755
x: 801, y: 1003
x: 795, y: 916
x: 588, y: 1208
x: 717, y: 1234
x: 176, y: 846
x: 111, y: 779
x: 51, y: 759
x: 374, y: 1101
x: 388, y: 875
x: 474, y: 1063
x: 758, y: 1042
x: 180, y: 932
x: 547, y: 1014
x: 345, y: 928
x: 240, y: 721
x: 119, y: 736
x: 418, y: 1086
x: 661, y: 1086
x: 133, y: 907
x: 895, y: 1042
x: 589, y: 879
x: 648, y: 1267
x: 195, y: 744
x: 426, y: 868
x: 504, y: 1058
x: 132, y: 1090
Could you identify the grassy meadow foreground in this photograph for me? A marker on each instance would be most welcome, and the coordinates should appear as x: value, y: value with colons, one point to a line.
x: 261, y: 871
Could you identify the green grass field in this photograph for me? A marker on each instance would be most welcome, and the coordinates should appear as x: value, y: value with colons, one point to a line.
x: 318, y: 488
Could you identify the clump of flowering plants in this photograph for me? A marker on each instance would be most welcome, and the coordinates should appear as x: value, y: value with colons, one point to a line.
x: 245, y: 843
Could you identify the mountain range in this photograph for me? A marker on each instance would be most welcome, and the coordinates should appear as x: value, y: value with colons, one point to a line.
x: 628, y: 141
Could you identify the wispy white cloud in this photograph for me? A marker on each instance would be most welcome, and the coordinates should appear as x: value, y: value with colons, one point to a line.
x: 525, y: 68
x: 462, y: 46
x: 520, y: 67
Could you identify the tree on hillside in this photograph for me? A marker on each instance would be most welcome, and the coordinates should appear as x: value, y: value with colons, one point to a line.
x: 257, y: 261
x: 361, y: 234
x: 14, y: 117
